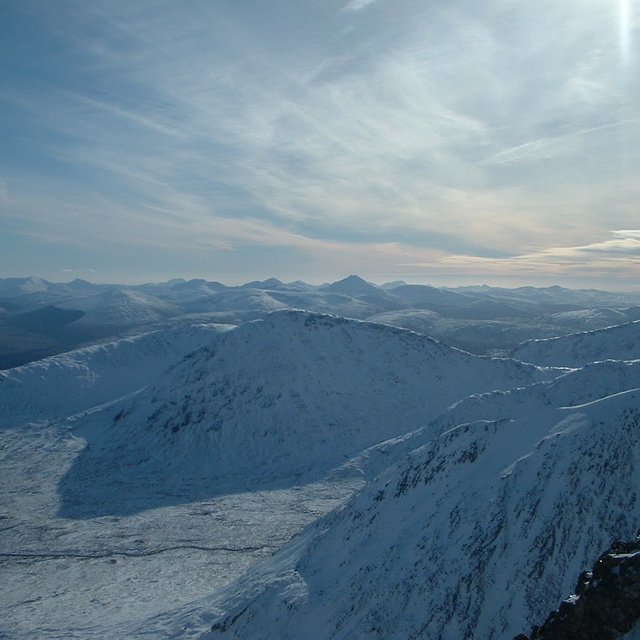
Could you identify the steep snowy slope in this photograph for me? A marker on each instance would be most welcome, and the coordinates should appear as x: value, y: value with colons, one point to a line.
x: 476, y: 336
x: 577, y: 386
x: 477, y: 534
x: 592, y: 319
x: 620, y: 342
x: 574, y: 387
x: 62, y: 385
x: 295, y: 393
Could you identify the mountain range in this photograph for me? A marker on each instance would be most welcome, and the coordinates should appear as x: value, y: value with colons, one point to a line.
x: 237, y: 465
x: 39, y: 318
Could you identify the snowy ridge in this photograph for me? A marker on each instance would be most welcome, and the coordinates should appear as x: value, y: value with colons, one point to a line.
x: 62, y: 385
x: 576, y: 387
x: 484, y: 485
x: 571, y: 388
x: 295, y: 392
x: 122, y: 308
x: 40, y: 318
x: 621, y: 342
x: 477, y: 534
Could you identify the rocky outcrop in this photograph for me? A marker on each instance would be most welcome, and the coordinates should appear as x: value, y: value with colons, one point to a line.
x: 606, y: 604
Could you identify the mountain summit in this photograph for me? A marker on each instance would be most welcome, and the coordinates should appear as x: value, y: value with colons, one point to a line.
x: 289, y: 397
x: 353, y: 286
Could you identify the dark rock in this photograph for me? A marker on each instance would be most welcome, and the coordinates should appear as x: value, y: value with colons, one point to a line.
x: 606, y: 604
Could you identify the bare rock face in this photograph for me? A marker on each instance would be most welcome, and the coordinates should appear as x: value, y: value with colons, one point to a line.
x: 606, y: 604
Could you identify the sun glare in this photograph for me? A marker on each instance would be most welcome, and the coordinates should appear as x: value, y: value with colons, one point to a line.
x: 625, y: 30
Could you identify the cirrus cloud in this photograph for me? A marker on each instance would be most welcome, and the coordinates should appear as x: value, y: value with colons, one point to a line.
x: 461, y: 132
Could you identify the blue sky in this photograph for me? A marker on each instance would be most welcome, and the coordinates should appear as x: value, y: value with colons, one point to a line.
x: 439, y: 142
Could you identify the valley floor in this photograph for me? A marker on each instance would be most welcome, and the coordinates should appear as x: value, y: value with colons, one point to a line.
x: 85, y: 578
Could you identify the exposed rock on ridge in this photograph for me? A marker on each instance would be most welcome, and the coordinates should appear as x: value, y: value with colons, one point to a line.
x: 606, y: 604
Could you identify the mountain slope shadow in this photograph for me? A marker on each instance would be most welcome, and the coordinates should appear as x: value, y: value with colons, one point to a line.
x: 272, y: 404
x: 101, y: 482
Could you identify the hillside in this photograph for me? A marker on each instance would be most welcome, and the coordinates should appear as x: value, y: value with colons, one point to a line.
x: 477, y: 534
x: 621, y: 342
x: 62, y: 385
x: 160, y: 485
x: 284, y: 399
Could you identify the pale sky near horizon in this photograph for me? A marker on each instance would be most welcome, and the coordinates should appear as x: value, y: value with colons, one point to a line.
x: 457, y: 142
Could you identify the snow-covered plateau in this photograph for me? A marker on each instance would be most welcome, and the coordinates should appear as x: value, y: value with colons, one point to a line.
x: 309, y: 476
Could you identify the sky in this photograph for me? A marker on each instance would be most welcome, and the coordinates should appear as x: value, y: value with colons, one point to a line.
x: 447, y: 142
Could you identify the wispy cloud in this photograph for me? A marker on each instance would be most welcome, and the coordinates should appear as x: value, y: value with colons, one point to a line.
x: 615, y: 260
x: 545, y: 148
x: 424, y: 129
x: 627, y: 234
x: 356, y: 5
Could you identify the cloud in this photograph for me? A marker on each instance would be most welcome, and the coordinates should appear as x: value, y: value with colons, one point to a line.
x: 426, y: 129
x: 549, y: 147
x: 620, y: 246
x: 627, y: 233
x: 357, y: 5
x: 614, y: 260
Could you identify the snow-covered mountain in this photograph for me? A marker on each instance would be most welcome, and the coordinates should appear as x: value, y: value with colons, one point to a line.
x: 353, y: 285
x: 478, y: 533
x: 122, y: 308
x: 66, y: 384
x: 446, y: 495
x: 245, y: 303
x: 621, y: 342
x: 40, y: 318
x: 282, y: 399
x: 31, y: 293
x: 181, y: 291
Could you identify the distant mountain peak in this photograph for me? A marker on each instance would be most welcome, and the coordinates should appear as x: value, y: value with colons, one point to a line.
x: 387, y: 286
x: 270, y: 283
x: 352, y: 285
x: 33, y: 284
